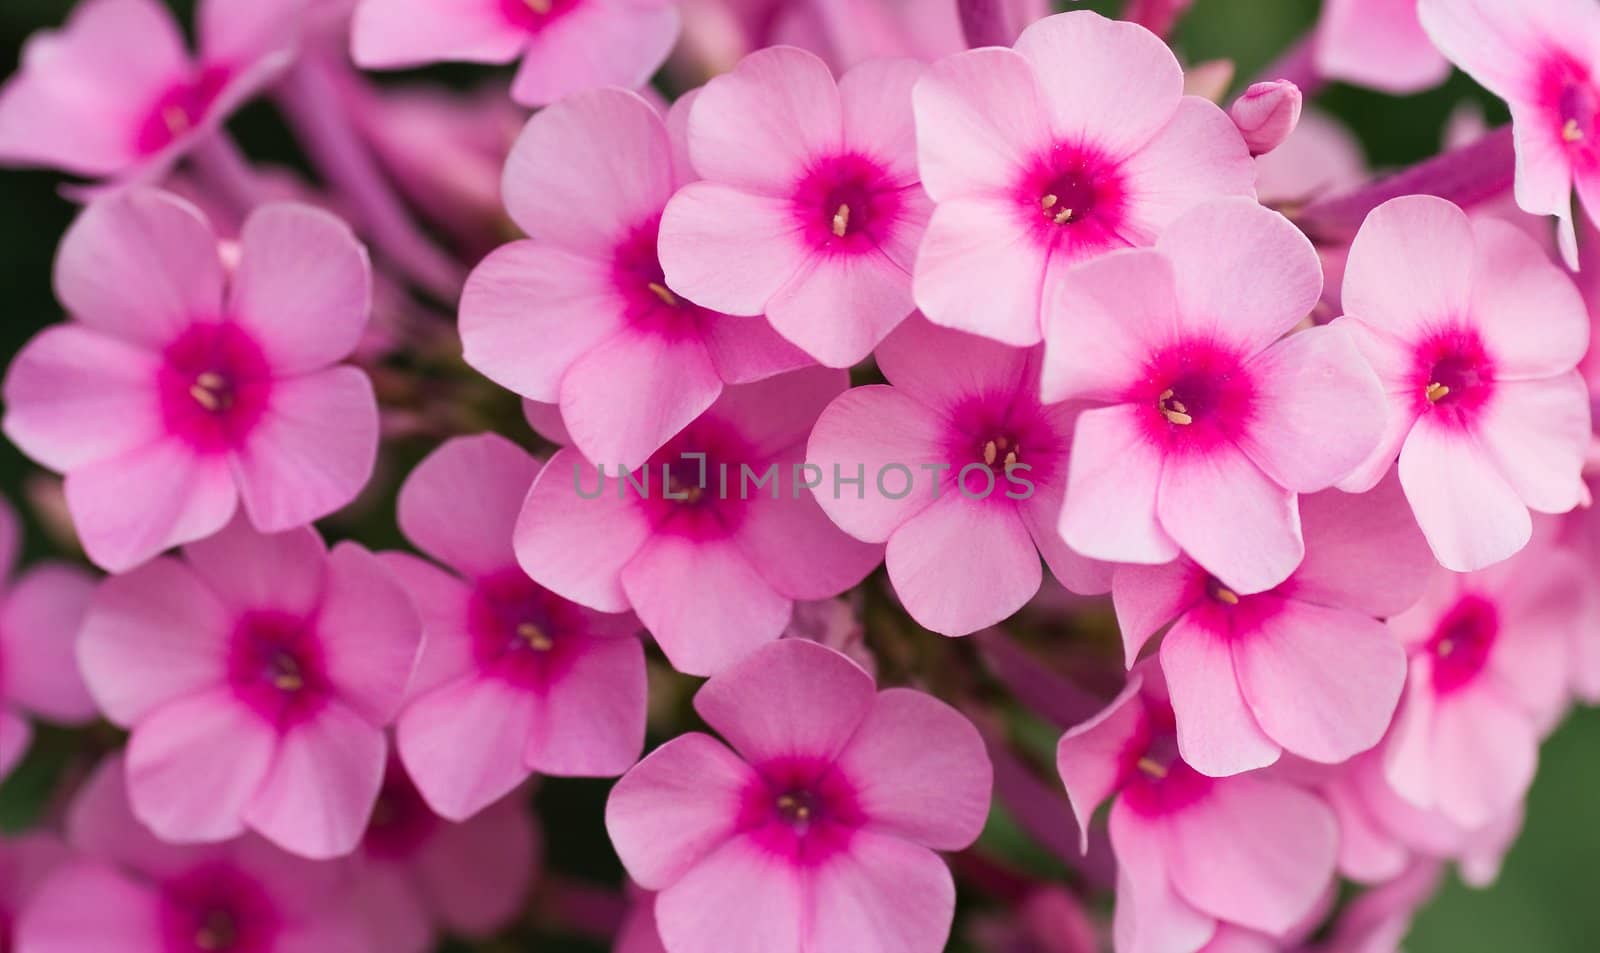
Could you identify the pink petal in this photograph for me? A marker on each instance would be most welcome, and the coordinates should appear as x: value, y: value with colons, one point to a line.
x: 729, y: 249
x: 90, y: 905
x: 875, y: 427
x: 152, y: 636
x: 1496, y: 45
x: 40, y: 619
x: 596, y: 45
x: 997, y: 573
x: 1151, y: 917
x: 1106, y: 318
x: 675, y: 807
x: 194, y: 766
x: 1195, y: 158
x: 1243, y: 273
x: 1148, y: 597
x: 797, y: 549
x: 705, y: 603
x: 248, y: 570
x: 531, y: 309
x: 883, y: 894
x: 477, y: 875
x: 1231, y: 518
x: 1323, y: 683
x: 141, y: 265
x: 461, y: 743
x: 74, y: 395
x: 1091, y: 757
x: 592, y: 718
x: 442, y: 602
x: 741, y: 897
x: 1410, y: 265
x: 1254, y: 852
x: 1391, y: 360
x: 1471, y: 516
x: 231, y: 33
x: 1363, y: 551
x: 83, y: 90
x: 15, y: 737
x: 1512, y: 278
x: 303, y: 287
x: 100, y: 823
x: 793, y: 698
x: 1110, y: 511
x: 878, y: 120
x: 390, y: 34
x: 312, y: 452
x: 368, y: 632
x: 1041, y: 515
x: 945, y: 370
x: 746, y: 349
x: 1217, y: 733
x: 981, y: 120
x: 774, y: 416
x: 1485, y: 755
x: 613, y: 527
x: 1544, y: 176
x: 588, y: 171
x: 760, y: 126
x: 1109, y: 83
x: 459, y: 501
x: 1378, y: 45
x: 318, y: 796
x: 967, y: 238
x: 629, y: 395
x: 837, y: 308
x: 1537, y: 433
x: 1319, y: 412
x: 919, y: 771
x: 188, y: 497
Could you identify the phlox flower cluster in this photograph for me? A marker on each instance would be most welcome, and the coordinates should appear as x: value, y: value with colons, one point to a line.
x: 715, y: 446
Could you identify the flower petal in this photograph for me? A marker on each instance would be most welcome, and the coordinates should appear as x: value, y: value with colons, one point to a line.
x: 675, y: 807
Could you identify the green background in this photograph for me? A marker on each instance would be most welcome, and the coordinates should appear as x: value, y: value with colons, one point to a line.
x: 1545, y: 900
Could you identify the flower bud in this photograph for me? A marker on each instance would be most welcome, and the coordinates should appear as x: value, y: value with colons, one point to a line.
x: 1266, y: 114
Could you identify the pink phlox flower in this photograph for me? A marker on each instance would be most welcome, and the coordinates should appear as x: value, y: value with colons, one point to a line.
x: 1379, y: 44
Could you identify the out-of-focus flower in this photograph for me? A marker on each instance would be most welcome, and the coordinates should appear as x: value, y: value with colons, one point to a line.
x: 818, y: 830
x: 713, y: 540
x: 1487, y: 414
x: 1266, y: 114
x: 581, y: 314
x: 1213, y: 422
x: 1540, y: 58
x: 126, y: 891
x: 810, y: 209
x: 180, y: 389
x: 968, y: 470
x: 1306, y: 667
x: 115, y: 93
x: 1050, y: 920
x: 566, y: 46
x: 25, y: 861
x: 512, y: 679
x: 40, y: 612
x: 257, y: 674
x: 1194, y: 853
x: 1379, y: 44
x: 1077, y: 142
x: 837, y: 624
x: 419, y: 876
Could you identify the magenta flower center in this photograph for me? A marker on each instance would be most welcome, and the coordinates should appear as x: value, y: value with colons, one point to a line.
x: 1001, y: 431
x: 521, y: 631
x: 846, y: 204
x: 801, y: 809
x: 275, y: 666
x: 1567, y: 93
x: 1454, y: 375
x: 214, y: 386
x: 1074, y: 195
x: 1196, y: 394
x: 180, y: 109
x: 535, y: 15
x: 1462, y: 641
x: 641, y: 283
x: 692, y: 485
x: 1156, y: 780
x: 217, y: 911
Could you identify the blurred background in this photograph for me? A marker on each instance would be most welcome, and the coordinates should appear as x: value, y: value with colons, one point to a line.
x: 1544, y: 901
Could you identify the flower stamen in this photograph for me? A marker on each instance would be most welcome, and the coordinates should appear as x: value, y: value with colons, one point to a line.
x: 177, y: 121
x: 1173, y: 410
x: 210, y: 390
x: 1571, y: 132
x: 1151, y: 767
x: 541, y: 7
x: 664, y: 293
x: 841, y: 221
x: 1436, y: 392
x: 534, y: 636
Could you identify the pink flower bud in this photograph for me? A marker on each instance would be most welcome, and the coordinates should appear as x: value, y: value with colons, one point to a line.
x: 1266, y: 114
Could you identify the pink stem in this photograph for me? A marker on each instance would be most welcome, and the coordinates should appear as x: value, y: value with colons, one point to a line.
x: 310, y: 99
x: 1474, y: 173
x: 227, y: 173
x: 985, y: 22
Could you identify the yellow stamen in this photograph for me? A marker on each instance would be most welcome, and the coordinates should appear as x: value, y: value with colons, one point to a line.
x: 990, y: 453
x: 841, y: 221
x: 664, y: 293
x: 1048, y: 202
x: 1570, y: 132
x: 1011, y: 458
x: 288, y: 681
x: 176, y: 119
x: 1152, y: 768
x: 534, y: 636
x: 1175, y: 411
x: 205, y: 397
x: 1436, y: 392
x: 1224, y: 594
x: 540, y: 7
x: 1063, y: 217
x: 1444, y: 648
x: 793, y: 808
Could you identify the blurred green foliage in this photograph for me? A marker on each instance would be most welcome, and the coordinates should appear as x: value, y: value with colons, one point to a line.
x: 1543, y: 902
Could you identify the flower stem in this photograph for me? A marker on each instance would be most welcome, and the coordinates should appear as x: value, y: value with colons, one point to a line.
x: 985, y: 22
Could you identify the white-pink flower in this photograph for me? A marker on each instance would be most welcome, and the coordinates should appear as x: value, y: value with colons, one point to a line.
x: 1379, y: 44
x: 512, y: 678
x: 818, y: 830
x: 566, y: 46
x: 182, y: 389
x: 1475, y: 336
x: 1213, y: 422
x: 810, y: 210
x: 1077, y: 142
x: 115, y: 93
x: 257, y: 675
